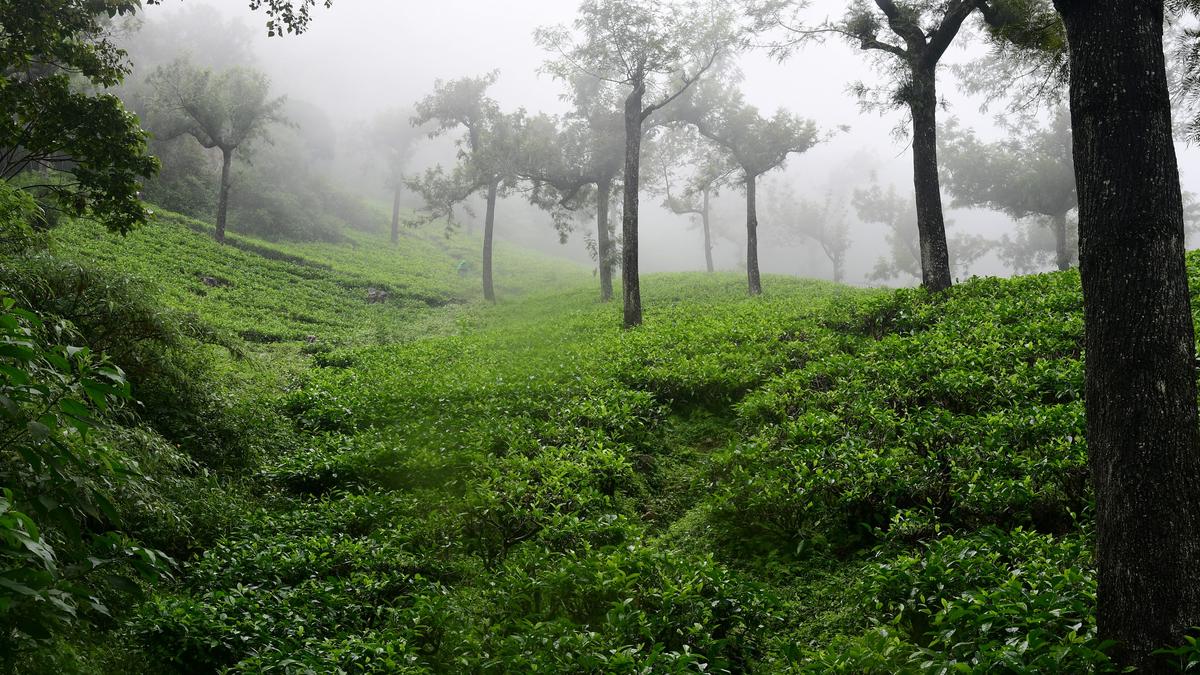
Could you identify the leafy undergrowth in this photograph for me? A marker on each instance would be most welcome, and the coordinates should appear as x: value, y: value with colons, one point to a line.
x: 824, y: 479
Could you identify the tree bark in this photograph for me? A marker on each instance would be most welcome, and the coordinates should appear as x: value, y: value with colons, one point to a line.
x: 705, y: 216
x: 223, y: 194
x: 631, y: 284
x: 1062, y: 255
x: 396, y: 215
x: 603, y: 244
x: 1142, y: 437
x: 489, y: 227
x: 931, y: 224
x: 752, y: 275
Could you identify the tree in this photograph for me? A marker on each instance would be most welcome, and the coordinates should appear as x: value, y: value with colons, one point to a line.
x: 710, y: 172
x: 392, y: 136
x: 486, y: 155
x: 79, y: 151
x: 577, y: 161
x: 919, y: 33
x: 225, y: 111
x: 1142, y: 434
x: 657, y: 52
x: 899, y: 216
x: 823, y: 222
x: 1028, y: 176
x: 754, y: 143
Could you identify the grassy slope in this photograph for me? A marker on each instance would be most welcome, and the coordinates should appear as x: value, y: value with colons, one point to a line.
x: 280, y: 292
x: 822, y: 478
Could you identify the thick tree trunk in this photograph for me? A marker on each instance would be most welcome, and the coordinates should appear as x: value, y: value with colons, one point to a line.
x: 752, y: 275
x: 1141, y: 374
x: 705, y: 219
x: 631, y: 284
x: 489, y: 227
x: 603, y: 244
x: 1061, y: 255
x: 223, y: 194
x: 931, y: 224
x: 396, y: 215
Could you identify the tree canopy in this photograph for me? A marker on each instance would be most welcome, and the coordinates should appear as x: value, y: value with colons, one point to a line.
x: 79, y: 151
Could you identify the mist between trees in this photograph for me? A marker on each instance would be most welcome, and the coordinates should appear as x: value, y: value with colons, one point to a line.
x: 310, y: 166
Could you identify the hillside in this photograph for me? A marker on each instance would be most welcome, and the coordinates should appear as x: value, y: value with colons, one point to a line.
x: 271, y: 292
x: 821, y: 479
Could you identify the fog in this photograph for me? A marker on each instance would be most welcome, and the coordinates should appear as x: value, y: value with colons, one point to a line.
x: 361, y: 57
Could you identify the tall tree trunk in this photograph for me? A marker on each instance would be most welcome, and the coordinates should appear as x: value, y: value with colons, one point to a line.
x: 223, y: 194
x: 839, y: 270
x: 631, y: 284
x: 705, y: 218
x: 489, y: 227
x: 396, y: 215
x: 931, y: 224
x: 1142, y: 436
x: 752, y: 275
x: 603, y: 244
x: 1061, y: 254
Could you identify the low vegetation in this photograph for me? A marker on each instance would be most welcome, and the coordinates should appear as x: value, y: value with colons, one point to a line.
x: 822, y: 479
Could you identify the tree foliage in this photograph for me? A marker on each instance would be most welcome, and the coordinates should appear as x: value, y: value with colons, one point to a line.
x: 62, y: 549
x: 802, y: 221
x: 79, y: 151
x: 485, y: 148
x: 1029, y: 176
x: 225, y: 111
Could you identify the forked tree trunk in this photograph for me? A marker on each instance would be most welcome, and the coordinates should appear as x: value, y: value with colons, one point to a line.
x: 705, y: 219
x: 396, y: 215
x: 603, y: 244
x: 752, y: 275
x: 931, y: 224
x: 631, y: 285
x: 489, y: 228
x: 1141, y: 371
x: 223, y: 194
x: 1061, y: 254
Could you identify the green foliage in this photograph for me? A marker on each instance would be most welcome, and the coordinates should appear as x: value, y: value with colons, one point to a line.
x: 821, y: 479
x: 81, y: 150
x: 995, y: 602
x: 63, y: 554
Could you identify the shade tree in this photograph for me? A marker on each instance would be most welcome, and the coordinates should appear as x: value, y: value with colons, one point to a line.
x: 487, y: 151
x: 754, y: 143
x: 690, y: 178
x: 391, y: 137
x: 576, y: 161
x: 78, y: 150
x: 800, y: 221
x: 1143, y: 431
x: 655, y: 53
x: 224, y: 111
x: 908, y: 39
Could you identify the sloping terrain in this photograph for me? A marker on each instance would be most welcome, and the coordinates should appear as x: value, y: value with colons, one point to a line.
x: 823, y: 479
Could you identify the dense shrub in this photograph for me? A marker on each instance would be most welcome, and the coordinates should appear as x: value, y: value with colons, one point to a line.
x: 64, y: 554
